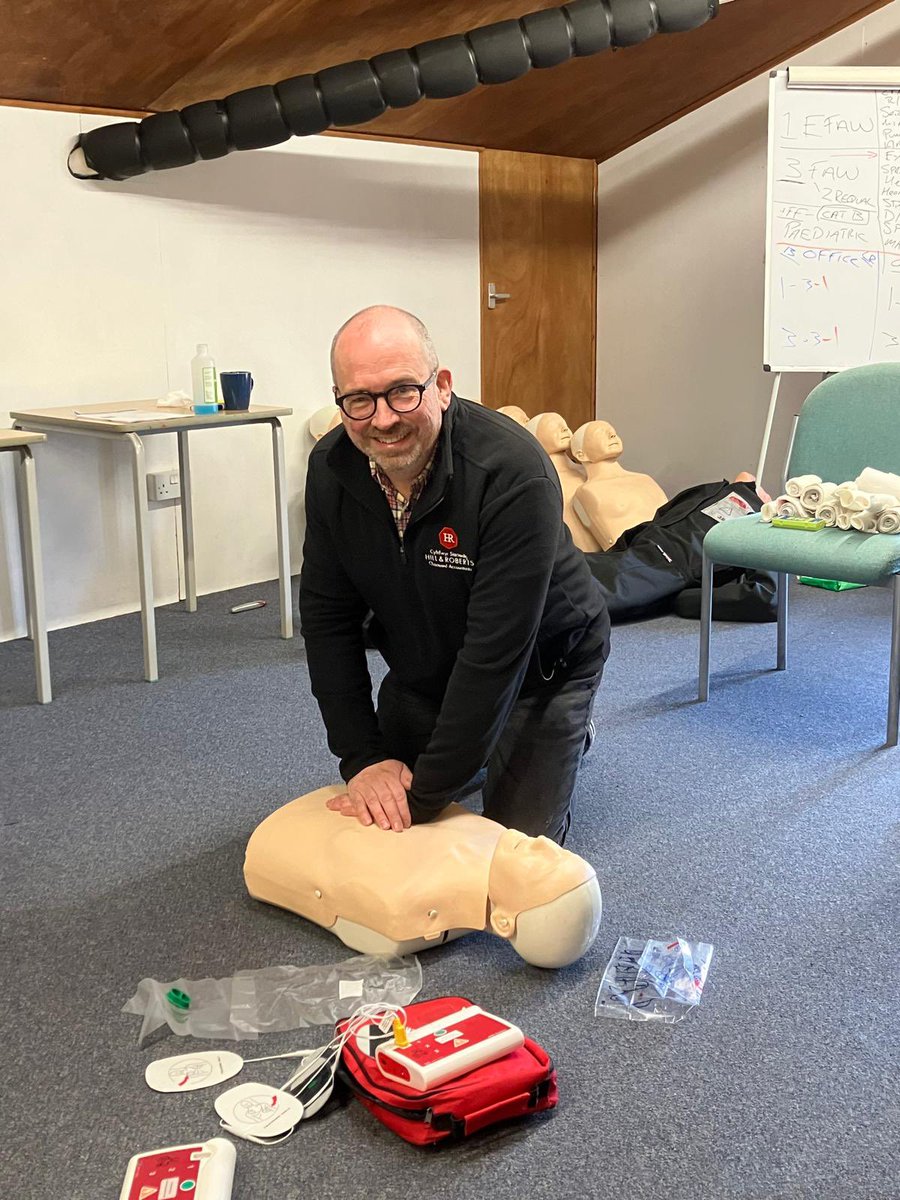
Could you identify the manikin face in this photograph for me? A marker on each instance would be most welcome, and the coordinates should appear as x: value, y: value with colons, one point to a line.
x: 528, y: 858
x: 373, y: 355
x: 553, y: 433
x: 596, y: 441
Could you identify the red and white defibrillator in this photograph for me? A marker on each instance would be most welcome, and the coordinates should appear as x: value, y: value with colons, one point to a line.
x: 199, y: 1171
x: 451, y: 1046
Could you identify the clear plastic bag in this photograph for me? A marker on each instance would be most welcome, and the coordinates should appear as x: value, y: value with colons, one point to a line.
x: 207, y: 1016
x: 273, y: 999
x: 278, y: 998
x: 653, y: 980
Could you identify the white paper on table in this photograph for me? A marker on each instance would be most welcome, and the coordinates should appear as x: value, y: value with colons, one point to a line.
x: 126, y: 416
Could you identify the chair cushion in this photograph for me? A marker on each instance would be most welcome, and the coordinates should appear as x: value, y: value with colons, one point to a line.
x: 826, y: 554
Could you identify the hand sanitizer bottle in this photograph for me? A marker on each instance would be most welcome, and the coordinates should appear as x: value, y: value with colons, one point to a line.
x: 204, y: 381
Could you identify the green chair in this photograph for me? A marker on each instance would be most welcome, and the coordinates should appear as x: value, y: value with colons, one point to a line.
x: 849, y: 421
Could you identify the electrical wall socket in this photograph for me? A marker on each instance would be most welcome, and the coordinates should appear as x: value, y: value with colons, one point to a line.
x: 163, y: 485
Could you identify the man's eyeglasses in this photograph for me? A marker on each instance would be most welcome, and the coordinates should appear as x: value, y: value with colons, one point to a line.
x: 402, y: 398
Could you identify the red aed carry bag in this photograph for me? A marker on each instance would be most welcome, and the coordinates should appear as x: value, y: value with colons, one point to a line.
x: 520, y: 1083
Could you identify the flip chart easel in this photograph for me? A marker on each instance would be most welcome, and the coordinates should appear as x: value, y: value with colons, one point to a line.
x: 832, y: 297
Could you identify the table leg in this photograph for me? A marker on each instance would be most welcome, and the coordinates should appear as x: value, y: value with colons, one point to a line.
x: 145, y: 559
x: 24, y: 542
x: 187, y: 521
x: 281, y: 522
x: 34, y: 575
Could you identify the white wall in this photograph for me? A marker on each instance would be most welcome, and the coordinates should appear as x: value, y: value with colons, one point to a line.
x: 681, y: 277
x: 107, y: 288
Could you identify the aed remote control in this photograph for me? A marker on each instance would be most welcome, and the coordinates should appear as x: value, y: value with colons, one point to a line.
x: 452, y: 1046
x: 198, y: 1171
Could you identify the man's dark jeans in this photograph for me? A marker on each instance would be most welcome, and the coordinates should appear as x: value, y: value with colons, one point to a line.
x: 530, y: 777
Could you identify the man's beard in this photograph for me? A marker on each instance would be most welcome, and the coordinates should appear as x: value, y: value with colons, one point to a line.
x: 383, y: 458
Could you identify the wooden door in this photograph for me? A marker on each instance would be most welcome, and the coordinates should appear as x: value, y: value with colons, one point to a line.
x: 539, y: 245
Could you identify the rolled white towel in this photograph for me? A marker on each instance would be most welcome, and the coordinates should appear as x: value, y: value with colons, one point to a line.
x: 816, y: 494
x: 828, y: 512
x: 851, y: 498
x: 864, y: 522
x: 871, y: 480
x: 878, y: 502
x: 788, y: 506
x: 888, y: 520
x: 843, y: 520
x: 794, y: 487
x: 768, y: 511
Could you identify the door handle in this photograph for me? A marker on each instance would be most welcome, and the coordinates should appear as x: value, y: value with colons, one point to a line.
x: 494, y: 295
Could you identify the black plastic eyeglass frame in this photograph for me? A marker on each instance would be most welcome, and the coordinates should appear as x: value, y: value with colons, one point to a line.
x: 422, y: 388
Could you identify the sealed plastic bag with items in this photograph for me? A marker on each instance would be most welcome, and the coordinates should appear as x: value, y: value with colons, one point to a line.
x: 652, y: 980
x: 274, y: 999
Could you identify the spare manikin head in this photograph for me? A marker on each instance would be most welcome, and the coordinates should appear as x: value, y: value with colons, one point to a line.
x: 551, y: 431
x: 519, y: 415
x: 383, y: 892
x: 596, y: 441
x: 323, y: 421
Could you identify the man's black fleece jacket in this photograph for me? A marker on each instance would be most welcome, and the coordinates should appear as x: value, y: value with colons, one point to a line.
x: 485, y: 597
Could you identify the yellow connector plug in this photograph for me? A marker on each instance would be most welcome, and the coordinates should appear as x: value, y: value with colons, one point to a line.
x: 401, y: 1038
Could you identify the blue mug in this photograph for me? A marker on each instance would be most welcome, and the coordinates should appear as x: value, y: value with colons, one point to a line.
x: 236, y: 388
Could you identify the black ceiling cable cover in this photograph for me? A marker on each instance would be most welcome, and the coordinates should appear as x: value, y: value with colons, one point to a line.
x: 356, y: 92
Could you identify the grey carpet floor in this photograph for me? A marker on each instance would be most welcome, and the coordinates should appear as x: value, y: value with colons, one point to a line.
x: 764, y: 822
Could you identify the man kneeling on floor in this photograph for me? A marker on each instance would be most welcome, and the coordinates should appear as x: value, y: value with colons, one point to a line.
x: 444, y: 520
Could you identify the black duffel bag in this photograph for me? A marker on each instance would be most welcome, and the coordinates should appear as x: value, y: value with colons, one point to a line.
x: 656, y: 567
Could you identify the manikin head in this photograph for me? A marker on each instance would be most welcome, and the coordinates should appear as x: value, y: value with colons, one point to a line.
x: 594, y: 442
x: 551, y: 431
x: 543, y: 899
x: 323, y: 421
x: 377, y: 349
x: 519, y: 415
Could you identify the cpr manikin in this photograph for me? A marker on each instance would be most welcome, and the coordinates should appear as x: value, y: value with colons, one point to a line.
x: 553, y: 433
x: 400, y: 893
x: 613, y: 499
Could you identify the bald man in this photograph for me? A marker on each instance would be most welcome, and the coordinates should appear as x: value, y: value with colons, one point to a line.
x: 444, y: 520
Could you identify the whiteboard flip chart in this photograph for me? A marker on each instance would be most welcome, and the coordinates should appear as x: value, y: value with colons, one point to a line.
x: 833, y: 224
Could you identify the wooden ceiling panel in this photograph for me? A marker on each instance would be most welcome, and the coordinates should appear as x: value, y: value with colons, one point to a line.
x: 296, y: 38
x: 105, y: 53
x: 117, y: 54
x: 114, y: 54
x: 594, y: 107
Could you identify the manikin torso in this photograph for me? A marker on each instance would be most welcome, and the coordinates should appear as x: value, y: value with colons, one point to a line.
x: 553, y: 433
x: 399, y: 893
x: 612, y: 499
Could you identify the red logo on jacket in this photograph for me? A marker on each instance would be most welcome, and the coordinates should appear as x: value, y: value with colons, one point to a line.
x: 448, y: 539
